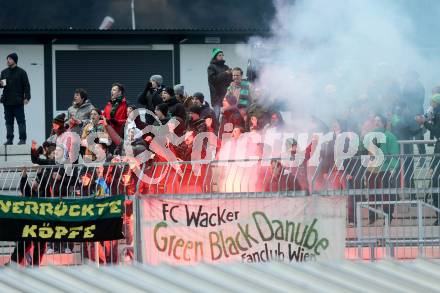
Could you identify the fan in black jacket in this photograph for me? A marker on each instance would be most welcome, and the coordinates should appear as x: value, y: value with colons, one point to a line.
x: 150, y: 97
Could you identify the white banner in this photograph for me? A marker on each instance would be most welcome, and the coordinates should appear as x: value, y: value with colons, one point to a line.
x: 188, y: 231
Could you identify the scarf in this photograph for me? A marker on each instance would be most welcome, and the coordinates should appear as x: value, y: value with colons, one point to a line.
x: 115, y: 104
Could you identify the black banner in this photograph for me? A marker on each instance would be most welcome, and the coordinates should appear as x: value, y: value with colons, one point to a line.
x: 61, y: 219
x: 16, y: 230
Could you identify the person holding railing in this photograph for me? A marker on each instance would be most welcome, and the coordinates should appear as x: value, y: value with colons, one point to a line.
x: 433, y: 125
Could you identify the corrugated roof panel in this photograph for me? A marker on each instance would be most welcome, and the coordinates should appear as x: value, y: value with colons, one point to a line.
x: 416, y: 276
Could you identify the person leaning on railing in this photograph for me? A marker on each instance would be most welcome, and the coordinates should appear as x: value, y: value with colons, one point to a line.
x: 432, y: 123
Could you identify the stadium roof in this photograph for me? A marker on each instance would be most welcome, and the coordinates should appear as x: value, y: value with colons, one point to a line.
x: 149, y: 15
x: 414, y: 276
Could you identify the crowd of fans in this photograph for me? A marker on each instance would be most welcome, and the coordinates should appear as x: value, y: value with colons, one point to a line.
x: 238, y: 107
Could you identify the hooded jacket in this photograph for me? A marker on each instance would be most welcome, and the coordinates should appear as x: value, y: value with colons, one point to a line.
x: 176, y: 109
x: 150, y: 98
x: 218, y: 80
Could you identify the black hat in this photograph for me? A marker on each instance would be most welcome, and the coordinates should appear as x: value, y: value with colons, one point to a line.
x: 13, y: 56
x: 163, y: 108
x: 199, y: 96
x: 169, y: 90
x: 59, y: 119
x: 195, y: 109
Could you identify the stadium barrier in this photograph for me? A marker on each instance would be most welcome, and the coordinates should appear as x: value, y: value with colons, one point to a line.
x: 386, y: 216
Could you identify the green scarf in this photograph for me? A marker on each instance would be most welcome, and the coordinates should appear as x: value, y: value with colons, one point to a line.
x: 115, y: 104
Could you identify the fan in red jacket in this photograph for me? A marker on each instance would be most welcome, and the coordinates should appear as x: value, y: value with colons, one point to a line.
x: 116, y: 109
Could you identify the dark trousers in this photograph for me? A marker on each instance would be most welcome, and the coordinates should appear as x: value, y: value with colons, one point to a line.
x: 11, y: 113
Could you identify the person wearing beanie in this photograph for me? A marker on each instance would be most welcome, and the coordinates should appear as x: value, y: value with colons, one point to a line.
x: 156, y: 80
x: 219, y: 78
x: 16, y: 93
x: 207, y: 112
x: 179, y: 90
x: 150, y: 97
x: 196, y: 123
x: 175, y: 108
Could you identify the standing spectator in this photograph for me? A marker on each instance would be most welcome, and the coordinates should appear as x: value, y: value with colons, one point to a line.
x: 179, y: 91
x: 219, y: 78
x: 93, y: 127
x: 240, y: 88
x: 383, y: 176
x: 207, y: 111
x: 116, y: 109
x: 231, y: 116
x: 16, y: 94
x: 150, y: 97
x: 79, y: 112
x: 433, y: 125
x: 175, y: 108
x: 196, y: 123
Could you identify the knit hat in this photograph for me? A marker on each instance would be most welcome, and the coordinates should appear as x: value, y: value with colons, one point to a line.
x: 232, y: 100
x: 163, y: 108
x: 13, y: 56
x: 436, y: 98
x: 179, y: 89
x: 59, y: 119
x: 169, y: 90
x: 199, y: 96
x: 195, y: 109
x: 157, y: 78
x: 215, y: 52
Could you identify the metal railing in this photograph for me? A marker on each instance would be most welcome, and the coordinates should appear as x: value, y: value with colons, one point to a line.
x: 409, y: 208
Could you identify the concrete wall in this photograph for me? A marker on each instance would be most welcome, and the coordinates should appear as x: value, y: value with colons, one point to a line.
x: 31, y: 59
x: 194, y: 60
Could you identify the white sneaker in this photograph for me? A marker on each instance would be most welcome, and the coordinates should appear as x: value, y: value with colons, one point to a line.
x: 67, y: 250
x: 49, y: 251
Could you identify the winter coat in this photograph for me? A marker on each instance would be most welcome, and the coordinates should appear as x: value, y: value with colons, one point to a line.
x: 35, y: 158
x: 176, y: 109
x: 81, y: 113
x: 208, y: 112
x: 198, y: 126
x: 119, y: 118
x: 150, y: 98
x: 230, y: 115
x: 17, y: 86
x: 218, y: 80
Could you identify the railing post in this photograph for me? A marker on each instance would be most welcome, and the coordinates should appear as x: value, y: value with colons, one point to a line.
x: 420, y: 226
x: 402, y: 176
x: 137, y: 237
x: 359, y: 228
